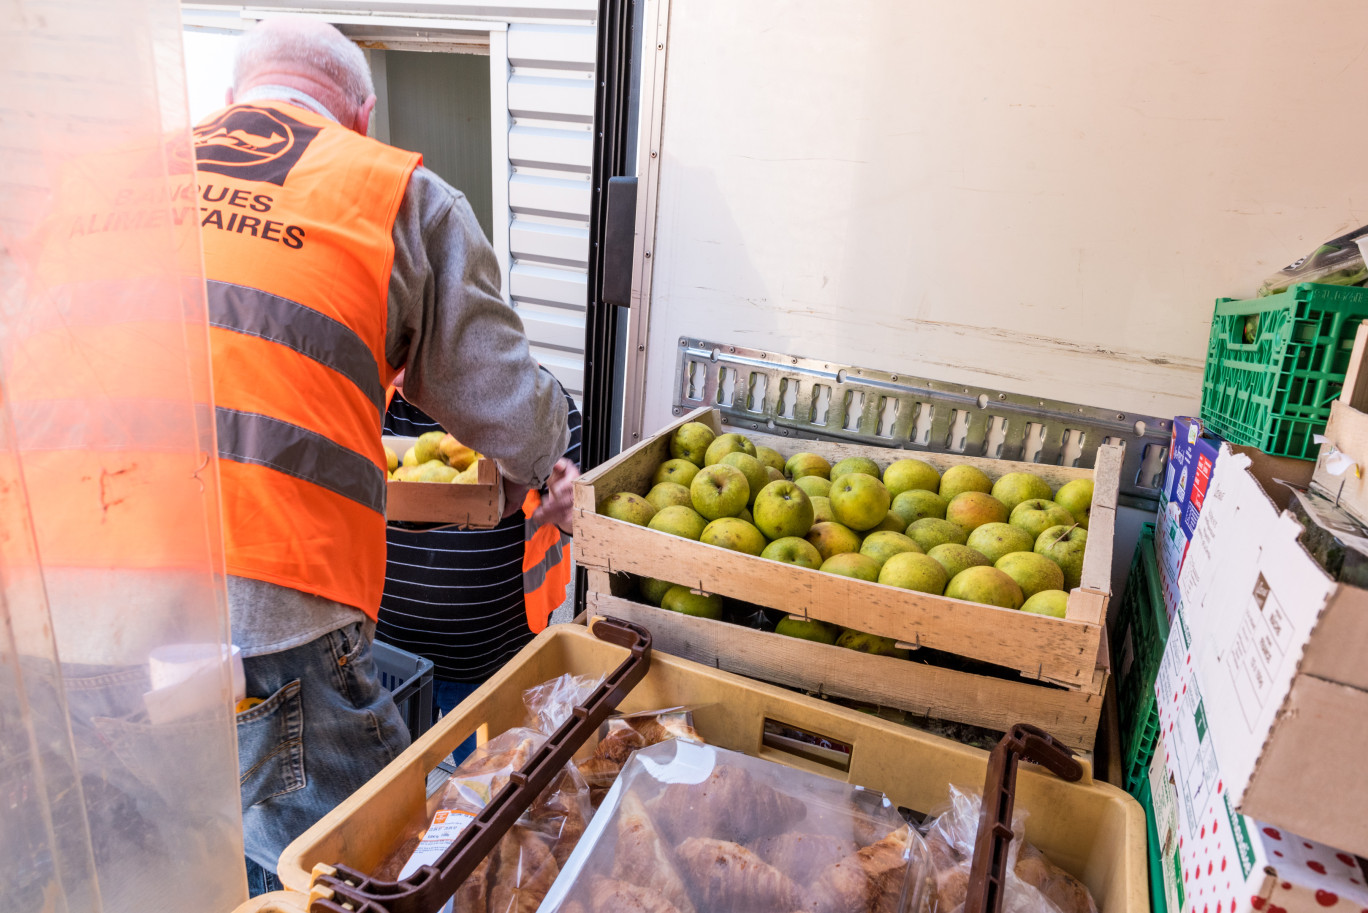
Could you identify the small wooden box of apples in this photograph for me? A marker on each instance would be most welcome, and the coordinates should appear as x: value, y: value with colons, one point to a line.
x: 1004, y: 562
x: 434, y: 478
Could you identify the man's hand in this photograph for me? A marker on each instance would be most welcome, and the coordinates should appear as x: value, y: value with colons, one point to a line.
x: 559, y: 498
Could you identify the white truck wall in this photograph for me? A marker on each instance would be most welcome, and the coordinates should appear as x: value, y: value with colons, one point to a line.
x: 1044, y: 198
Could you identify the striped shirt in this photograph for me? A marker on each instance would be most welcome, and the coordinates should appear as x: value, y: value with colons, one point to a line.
x: 455, y: 596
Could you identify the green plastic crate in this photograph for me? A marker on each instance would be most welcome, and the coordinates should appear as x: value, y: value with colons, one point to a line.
x: 1275, y: 364
x: 1142, y: 624
x: 1158, y: 902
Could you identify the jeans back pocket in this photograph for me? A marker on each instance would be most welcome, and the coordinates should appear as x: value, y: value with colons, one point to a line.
x: 271, y: 746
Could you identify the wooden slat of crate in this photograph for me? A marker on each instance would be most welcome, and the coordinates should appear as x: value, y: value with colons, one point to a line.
x: 1059, y: 650
x: 1071, y: 715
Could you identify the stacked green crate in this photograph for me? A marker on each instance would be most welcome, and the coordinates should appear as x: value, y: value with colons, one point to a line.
x: 1275, y: 364
x: 1142, y: 627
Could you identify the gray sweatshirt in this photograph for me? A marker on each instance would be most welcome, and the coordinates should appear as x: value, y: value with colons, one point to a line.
x: 466, y: 363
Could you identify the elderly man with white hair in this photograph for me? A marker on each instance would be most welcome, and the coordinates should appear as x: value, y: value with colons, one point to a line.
x: 333, y: 262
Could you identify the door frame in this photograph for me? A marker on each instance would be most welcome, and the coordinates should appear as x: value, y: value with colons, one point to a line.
x: 452, y: 35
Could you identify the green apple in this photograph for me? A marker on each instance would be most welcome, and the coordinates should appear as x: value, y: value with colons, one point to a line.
x: 669, y: 494
x: 807, y: 464
x: 692, y: 602
x: 1076, y: 497
x: 724, y: 444
x: 1065, y: 545
x: 427, y: 446
x: 955, y: 558
x: 914, y: 571
x: 754, y: 471
x: 821, y: 508
x: 735, y: 534
x: 774, y: 475
x: 652, y: 589
x: 1047, y: 602
x: 890, y: 523
x: 961, y: 478
x: 435, y: 471
x: 994, y: 540
x: 719, y: 490
x: 884, y: 544
x: 987, y: 585
x: 1037, y: 515
x: 917, y: 504
x: 930, y: 532
x: 814, y: 486
x: 793, y: 550
x: 856, y: 464
x: 831, y: 538
x: 811, y: 629
x: 852, y: 564
x: 859, y: 501
x: 746, y: 515
x: 679, y: 520
x: 911, y: 475
x: 690, y: 442
x: 628, y: 508
x: 770, y: 457
x: 870, y: 643
x: 1033, y: 573
x: 781, y: 509
x: 971, y: 509
x: 681, y: 471
x: 1015, y: 487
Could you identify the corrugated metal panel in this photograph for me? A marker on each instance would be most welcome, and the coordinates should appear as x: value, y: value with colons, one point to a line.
x: 564, y: 288
x: 546, y: 243
x: 555, y: 198
x: 550, y: 146
x: 536, y: 96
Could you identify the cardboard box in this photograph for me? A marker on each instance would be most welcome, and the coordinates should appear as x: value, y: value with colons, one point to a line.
x: 478, y: 505
x: 1193, y: 452
x: 1191, y: 461
x: 1216, y: 860
x: 1276, y: 647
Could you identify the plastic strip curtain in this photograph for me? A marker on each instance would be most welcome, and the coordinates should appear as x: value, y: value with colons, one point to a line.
x: 118, y: 765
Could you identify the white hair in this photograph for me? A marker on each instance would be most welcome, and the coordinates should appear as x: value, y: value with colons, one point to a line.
x: 309, y: 45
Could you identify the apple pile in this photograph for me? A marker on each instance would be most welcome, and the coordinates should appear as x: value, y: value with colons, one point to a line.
x: 434, y: 457
x: 1014, y: 543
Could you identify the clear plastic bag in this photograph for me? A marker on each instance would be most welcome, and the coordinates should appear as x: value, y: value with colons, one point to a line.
x: 1339, y: 261
x: 622, y: 735
x: 691, y: 828
x: 1034, y: 884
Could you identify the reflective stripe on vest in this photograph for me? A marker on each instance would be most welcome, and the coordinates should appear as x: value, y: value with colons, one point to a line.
x: 546, y: 567
x: 297, y: 217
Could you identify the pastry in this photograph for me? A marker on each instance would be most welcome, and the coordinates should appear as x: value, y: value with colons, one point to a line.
x: 725, y: 877
x: 642, y: 858
x: 730, y: 804
x: 609, y: 895
x: 521, y: 873
x: 803, y: 856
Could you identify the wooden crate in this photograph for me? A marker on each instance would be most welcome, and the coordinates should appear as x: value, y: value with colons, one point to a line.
x: 1057, y: 650
x: 1069, y: 714
x: 477, y: 505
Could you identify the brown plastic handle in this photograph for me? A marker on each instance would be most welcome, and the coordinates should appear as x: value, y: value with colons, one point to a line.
x: 987, y: 874
x: 427, y: 889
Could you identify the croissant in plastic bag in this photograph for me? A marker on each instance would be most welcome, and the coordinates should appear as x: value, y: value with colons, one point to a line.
x: 1034, y: 884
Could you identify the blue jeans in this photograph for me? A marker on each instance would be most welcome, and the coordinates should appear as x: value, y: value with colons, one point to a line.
x: 446, y: 695
x: 325, y: 727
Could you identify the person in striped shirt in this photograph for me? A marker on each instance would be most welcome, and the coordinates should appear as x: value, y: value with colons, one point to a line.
x: 456, y: 596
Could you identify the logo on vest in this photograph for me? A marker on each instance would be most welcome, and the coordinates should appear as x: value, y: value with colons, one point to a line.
x: 254, y: 144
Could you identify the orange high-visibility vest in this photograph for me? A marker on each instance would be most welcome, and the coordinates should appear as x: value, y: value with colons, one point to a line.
x: 297, y: 214
x: 546, y: 567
